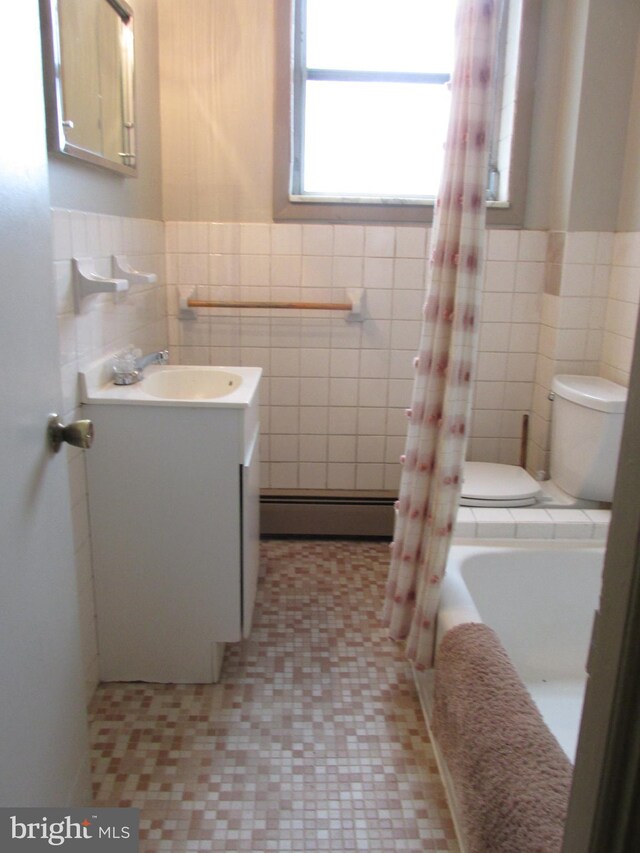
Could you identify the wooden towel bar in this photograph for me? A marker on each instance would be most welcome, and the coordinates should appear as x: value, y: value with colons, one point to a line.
x: 221, y: 303
x: 355, y: 308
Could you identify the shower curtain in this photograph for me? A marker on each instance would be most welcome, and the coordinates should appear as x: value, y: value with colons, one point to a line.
x: 440, y: 403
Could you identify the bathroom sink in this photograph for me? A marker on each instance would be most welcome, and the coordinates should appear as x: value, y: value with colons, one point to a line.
x: 191, y: 383
x: 193, y: 386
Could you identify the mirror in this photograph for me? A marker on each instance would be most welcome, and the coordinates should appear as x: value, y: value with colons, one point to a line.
x: 89, y: 65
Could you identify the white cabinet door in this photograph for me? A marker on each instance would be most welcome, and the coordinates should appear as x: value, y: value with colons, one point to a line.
x: 174, y: 499
x: 250, y: 502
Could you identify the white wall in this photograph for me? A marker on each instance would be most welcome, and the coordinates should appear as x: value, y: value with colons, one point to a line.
x: 629, y: 212
x: 606, y: 103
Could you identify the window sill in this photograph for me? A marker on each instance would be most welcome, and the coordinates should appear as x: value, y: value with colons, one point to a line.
x: 382, y: 201
x: 367, y: 210
x: 361, y: 200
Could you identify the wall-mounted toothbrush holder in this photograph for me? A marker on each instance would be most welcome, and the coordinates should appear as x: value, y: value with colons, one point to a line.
x: 87, y: 282
x: 121, y: 268
x: 355, y: 308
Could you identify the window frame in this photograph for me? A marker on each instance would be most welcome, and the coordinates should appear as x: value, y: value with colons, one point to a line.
x: 289, y: 206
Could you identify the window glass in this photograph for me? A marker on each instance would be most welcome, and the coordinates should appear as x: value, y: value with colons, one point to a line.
x: 374, y: 138
x: 380, y: 35
x: 372, y: 102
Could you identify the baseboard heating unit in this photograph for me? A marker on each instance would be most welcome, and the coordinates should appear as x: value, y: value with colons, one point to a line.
x: 335, y: 513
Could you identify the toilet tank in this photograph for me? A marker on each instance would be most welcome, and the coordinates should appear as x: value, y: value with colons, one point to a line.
x: 586, y: 428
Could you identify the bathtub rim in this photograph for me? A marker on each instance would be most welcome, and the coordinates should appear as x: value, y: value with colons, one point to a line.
x: 424, y: 679
x: 456, y: 604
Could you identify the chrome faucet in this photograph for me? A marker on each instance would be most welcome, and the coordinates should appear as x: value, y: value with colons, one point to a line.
x: 160, y: 357
x: 128, y: 366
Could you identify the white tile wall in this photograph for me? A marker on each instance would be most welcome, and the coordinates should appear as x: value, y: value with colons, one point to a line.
x: 552, y: 303
x: 105, y: 324
x: 621, y: 307
x: 351, y: 381
x: 578, y: 304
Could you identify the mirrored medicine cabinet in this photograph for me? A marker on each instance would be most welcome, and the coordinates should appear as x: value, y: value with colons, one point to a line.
x: 88, y: 51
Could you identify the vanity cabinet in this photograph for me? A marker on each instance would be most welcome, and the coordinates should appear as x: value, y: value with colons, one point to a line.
x: 174, y: 519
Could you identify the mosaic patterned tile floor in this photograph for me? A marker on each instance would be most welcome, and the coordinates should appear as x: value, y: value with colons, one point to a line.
x: 313, y: 740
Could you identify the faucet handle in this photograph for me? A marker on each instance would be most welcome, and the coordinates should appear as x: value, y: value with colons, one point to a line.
x: 124, y: 367
x: 128, y: 365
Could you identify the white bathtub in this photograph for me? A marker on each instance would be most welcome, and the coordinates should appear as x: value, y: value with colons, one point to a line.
x: 540, y: 599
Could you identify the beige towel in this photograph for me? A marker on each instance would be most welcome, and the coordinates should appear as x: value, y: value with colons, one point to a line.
x: 511, y: 777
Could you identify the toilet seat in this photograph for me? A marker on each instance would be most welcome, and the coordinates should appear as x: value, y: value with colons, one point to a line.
x: 496, y: 485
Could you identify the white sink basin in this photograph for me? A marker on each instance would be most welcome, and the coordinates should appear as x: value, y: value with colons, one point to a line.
x: 191, y: 383
x: 173, y: 385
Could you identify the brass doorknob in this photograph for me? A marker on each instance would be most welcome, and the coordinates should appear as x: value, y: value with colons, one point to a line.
x: 77, y: 433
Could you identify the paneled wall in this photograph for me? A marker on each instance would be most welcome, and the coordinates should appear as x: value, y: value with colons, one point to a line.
x: 216, y: 105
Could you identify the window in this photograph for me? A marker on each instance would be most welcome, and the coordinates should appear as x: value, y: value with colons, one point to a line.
x: 362, y: 107
x: 371, y: 100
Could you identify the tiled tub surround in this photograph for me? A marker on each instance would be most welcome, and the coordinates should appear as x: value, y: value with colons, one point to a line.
x: 532, y: 523
x: 105, y: 324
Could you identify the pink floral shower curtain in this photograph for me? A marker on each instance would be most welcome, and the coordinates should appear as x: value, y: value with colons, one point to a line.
x: 440, y: 403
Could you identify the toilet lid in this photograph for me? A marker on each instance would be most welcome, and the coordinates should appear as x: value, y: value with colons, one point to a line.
x: 493, y: 481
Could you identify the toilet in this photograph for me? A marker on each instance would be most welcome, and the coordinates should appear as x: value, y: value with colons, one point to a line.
x: 586, y: 428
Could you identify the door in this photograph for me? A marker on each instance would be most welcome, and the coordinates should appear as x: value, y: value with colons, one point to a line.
x: 43, y: 737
